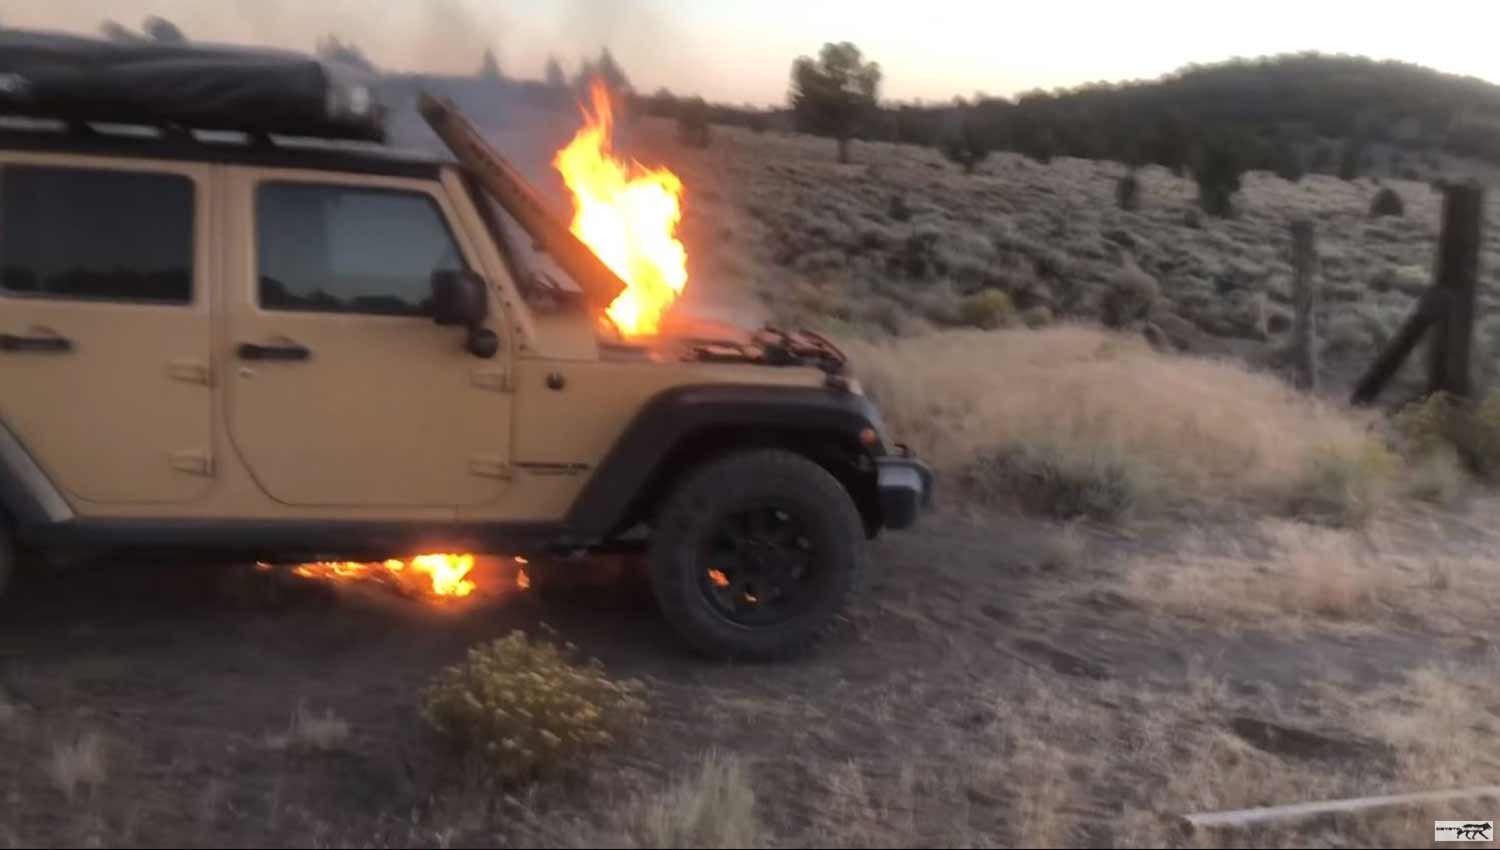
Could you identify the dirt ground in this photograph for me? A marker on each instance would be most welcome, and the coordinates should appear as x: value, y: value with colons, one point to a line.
x: 999, y: 682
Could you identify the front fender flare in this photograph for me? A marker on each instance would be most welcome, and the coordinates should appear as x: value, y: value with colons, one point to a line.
x: 611, y: 495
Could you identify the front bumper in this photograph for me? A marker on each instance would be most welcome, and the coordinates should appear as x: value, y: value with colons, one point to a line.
x: 905, y: 487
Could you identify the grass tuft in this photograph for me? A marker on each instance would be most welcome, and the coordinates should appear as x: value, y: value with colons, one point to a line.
x: 80, y: 762
x: 715, y: 807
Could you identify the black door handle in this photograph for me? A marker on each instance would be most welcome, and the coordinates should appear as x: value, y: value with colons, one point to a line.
x: 13, y: 342
x: 251, y: 351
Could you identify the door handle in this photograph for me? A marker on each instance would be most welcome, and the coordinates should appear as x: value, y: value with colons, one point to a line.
x: 290, y: 351
x: 15, y: 342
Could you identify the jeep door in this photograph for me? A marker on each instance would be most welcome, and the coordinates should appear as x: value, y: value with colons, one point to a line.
x: 106, y: 283
x: 344, y: 392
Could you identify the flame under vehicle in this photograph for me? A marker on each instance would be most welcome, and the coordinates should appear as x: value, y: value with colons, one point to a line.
x: 236, y: 325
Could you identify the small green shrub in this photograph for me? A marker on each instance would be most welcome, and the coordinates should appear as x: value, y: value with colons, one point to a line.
x: 966, y: 146
x: 520, y: 707
x: 1344, y: 485
x: 1057, y: 480
x: 1440, y: 421
x: 887, y: 314
x: 918, y: 256
x: 1437, y: 477
x: 1347, y: 332
x: 1128, y: 192
x: 1425, y: 426
x: 1477, y: 435
x: 1217, y: 171
x: 1352, y: 160
x: 939, y: 305
x: 692, y: 123
x: 1131, y: 297
x: 1387, y: 202
x: 1039, y: 316
x: 1321, y: 160
x: 988, y: 309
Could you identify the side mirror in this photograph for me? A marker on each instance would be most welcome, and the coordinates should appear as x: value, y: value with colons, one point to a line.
x: 459, y: 298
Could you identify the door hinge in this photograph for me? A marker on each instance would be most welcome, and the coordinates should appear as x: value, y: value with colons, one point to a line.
x: 190, y: 371
x: 490, y: 467
x: 490, y: 379
x: 193, y: 462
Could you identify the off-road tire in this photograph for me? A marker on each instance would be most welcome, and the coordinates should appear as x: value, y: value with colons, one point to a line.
x: 739, y: 482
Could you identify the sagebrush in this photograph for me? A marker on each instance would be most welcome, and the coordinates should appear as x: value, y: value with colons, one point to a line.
x: 1345, y: 484
x: 1442, y: 421
x: 519, y: 707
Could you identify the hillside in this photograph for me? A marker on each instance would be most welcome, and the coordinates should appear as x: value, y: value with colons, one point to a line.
x: 1288, y: 114
x: 1331, y: 112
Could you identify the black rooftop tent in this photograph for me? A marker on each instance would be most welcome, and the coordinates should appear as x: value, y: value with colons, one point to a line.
x: 201, y: 87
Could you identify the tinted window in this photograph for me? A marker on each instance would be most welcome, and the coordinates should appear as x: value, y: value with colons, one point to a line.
x: 81, y: 233
x: 350, y: 250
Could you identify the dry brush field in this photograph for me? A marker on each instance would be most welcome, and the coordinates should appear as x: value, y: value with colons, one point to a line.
x: 1158, y: 581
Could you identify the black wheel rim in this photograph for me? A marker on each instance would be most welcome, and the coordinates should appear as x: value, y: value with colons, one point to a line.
x: 759, y: 566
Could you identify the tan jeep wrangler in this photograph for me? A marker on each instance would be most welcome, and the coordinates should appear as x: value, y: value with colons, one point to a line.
x: 226, y: 343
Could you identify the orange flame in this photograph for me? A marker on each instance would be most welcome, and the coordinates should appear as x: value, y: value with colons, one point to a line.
x: 439, y: 575
x: 628, y: 215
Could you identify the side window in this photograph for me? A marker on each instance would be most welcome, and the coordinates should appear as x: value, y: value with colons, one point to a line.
x: 350, y: 250
x: 91, y: 233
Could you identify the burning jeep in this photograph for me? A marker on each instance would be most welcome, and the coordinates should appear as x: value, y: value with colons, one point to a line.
x: 241, y: 327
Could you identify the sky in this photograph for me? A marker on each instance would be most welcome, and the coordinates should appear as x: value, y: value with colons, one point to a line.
x: 740, y: 51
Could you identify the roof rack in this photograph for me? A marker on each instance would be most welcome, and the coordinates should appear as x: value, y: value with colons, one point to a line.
x: 177, y: 88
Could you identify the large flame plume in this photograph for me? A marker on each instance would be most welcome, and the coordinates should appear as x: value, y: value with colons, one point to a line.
x: 628, y: 215
x: 445, y: 576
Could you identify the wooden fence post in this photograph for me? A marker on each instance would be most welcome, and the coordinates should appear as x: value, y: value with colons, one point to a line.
x: 1430, y: 308
x: 1447, y: 306
x: 1305, y: 302
x: 1458, y: 276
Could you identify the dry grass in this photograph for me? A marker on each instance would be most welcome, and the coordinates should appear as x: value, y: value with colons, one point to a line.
x: 1064, y: 480
x: 1165, y: 754
x: 1344, y: 484
x: 1292, y: 573
x: 80, y: 762
x: 309, y: 732
x: 1437, y: 477
x: 714, y: 807
x: 1310, y: 572
x: 1066, y: 550
x: 1173, y: 430
x: 1442, y: 725
x: 1043, y: 795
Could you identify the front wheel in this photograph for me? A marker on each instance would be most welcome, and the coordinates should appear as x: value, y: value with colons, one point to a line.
x: 755, y: 554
